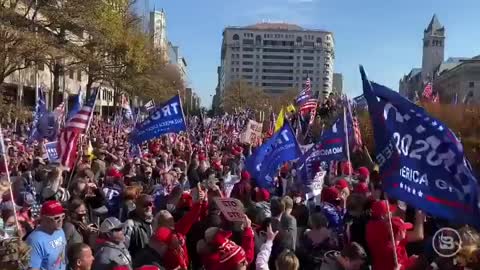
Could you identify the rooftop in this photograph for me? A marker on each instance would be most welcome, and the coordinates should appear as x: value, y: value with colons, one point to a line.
x: 434, y: 25
x: 272, y: 26
x: 275, y: 26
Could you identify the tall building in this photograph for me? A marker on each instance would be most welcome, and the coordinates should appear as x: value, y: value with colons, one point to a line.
x: 455, y: 80
x: 337, y: 83
x: 277, y: 57
x: 432, y: 58
x: 158, y: 31
x: 433, y: 48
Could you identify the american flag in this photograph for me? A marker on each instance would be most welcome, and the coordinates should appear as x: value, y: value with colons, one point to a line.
x: 428, y: 91
x: 305, y: 94
x: 357, y: 136
x: 309, y: 105
x: 60, y: 114
x: 78, y: 124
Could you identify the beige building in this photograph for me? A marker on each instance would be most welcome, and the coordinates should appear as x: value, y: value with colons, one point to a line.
x: 459, y: 79
x: 158, y: 31
x: 337, y: 83
x: 276, y: 57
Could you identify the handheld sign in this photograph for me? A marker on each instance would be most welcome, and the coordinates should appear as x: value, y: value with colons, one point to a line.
x: 51, y: 149
x: 252, y: 134
x: 231, y: 208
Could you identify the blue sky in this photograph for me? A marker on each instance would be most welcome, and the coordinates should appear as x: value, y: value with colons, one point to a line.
x: 385, y: 36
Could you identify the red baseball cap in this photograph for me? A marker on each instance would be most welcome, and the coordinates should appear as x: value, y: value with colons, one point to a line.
x: 341, y: 184
x: 379, y: 209
x: 362, y: 188
x: 399, y: 225
x: 52, y: 208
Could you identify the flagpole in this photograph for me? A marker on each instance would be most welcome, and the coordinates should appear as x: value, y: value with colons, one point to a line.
x: 81, y: 138
x: 7, y: 171
x: 392, y: 236
x: 345, y: 128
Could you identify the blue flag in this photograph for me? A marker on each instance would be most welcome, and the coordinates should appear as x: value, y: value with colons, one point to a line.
x: 164, y: 119
x: 40, y: 110
x: 421, y: 161
x: 77, y: 105
x: 332, y: 146
x: 51, y: 149
x: 280, y: 148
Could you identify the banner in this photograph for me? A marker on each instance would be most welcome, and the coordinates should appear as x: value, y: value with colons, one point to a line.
x: 252, y: 134
x: 164, y: 119
x: 421, y: 160
x: 51, y: 149
x: 231, y: 208
x: 280, y: 148
x: 331, y: 147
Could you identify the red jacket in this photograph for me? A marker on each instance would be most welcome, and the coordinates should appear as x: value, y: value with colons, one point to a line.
x: 211, y: 261
x: 174, y: 258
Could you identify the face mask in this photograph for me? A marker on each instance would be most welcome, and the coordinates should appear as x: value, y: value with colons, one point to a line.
x: 10, y: 230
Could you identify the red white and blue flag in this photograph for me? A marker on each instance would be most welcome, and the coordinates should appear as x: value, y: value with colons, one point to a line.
x: 305, y: 94
x: 74, y: 127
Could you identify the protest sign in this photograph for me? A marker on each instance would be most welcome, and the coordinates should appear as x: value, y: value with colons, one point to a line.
x: 231, y: 208
x: 51, y: 149
x: 252, y: 134
x: 317, y: 184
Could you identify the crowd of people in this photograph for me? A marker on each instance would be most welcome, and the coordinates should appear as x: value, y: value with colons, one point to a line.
x: 157, y: 210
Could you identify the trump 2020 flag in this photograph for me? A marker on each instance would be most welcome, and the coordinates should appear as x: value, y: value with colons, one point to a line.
x: 51, y: 149
x: 165, y: 119
x: 331, y: 147
x: 421, y: 160
x: 280, y: 148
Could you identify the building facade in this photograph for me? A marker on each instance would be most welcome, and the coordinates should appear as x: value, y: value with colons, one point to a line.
x: 158, y: 31
x: 277, y: 57
x: 337, y: 83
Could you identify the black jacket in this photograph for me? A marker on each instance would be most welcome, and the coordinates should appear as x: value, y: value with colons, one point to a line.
x: 147, y: 256
x: 137, y: 232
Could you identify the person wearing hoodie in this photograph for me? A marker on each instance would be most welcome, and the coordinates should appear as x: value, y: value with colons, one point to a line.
x: 242, y: 190
x: 352, y: 257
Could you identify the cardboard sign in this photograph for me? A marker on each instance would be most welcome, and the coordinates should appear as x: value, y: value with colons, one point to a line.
x: 252, y: 134
x: 317, y: 183
x: 231, y: 208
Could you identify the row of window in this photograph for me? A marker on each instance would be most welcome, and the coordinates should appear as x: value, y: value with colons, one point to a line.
x: 272, y: 64
x: 266, y: 77
x: 107, y: 95
x: 288, y: 71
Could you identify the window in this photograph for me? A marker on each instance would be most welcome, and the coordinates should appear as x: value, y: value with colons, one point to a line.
x: 237, y: 69
x: 278, y: 50
x: 247, y: 49
x: 248, y: 56
x: 286, y: 57
x: 278, y: 71
x: 41, y: 66
x: 319, y: 40
x: 247, y: 76
x: 308, y: 51
x: 471, y: 84
x: 233, y: 70
x: 247, y: 70
x: 307, y: 65
x: 236, y: 37
x: 278, y: 84
x: 247, y: 42
x: 247, y: 63
x: 70, y: 73
x: 282, y: 78
x: 308, y: 43
x: 308, y: 58
x: 277, y: 64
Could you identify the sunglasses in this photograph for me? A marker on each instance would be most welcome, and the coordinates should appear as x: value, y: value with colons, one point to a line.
x: 57, y: 218
x: 148, y: 204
